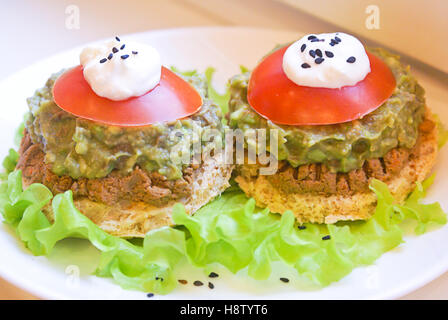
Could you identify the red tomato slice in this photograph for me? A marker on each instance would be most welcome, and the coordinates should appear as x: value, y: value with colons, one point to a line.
x: 173, y: 98
x: 275, y: 97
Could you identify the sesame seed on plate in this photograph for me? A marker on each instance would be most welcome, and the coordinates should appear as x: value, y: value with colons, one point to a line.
x: 122, y: 47
x: 103, y: 60
x: 150, y: 295
x: 110, y: 56
x: 305, y: 65
x: 312, y: 53
x: 118, y: 39
x: 125, y: 56
x: 312, y: 37
x: 211, y: 285
x: 301, y: 227
x: 329, y: 54
x: 285, y: 280
x: 114, y: 50
x: 134, y: 52
x: 182, y: 281
x: 213, y: 275
x: 198, y: 283
x: 351, y: 59
x: 319, y: 53
x: 303, y: 47
x: 319, y: 60
x: 326, y: 237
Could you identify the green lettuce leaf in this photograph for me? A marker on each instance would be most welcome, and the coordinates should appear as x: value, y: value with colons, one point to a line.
x: 148, y: 267
x: 186, y: 73
x: 222, y: 100
x: 244, y: 69
x: 10, y: 161
x: 230, y: 231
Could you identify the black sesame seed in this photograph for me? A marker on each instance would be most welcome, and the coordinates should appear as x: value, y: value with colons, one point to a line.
x: 319, y: 53
x: 301, y: 227
x: 332, y: 44
x: 285, y: 280
x: 213, y: 275
x: 122, y: 47
x: 315, y: 40
x: 114, y: 50
x: 312, y: 53
x: 110, y: 56
x: 326, y: 237
x: 150, y: 295
x: 312, y: 37
x: 303, y: 47
x: 337, y: 39
x: 134, y: 52
x: 305, y: 65
x: 125, y: 56
x: 181, y: 281
x: 103, y: 60
x: 118, y: 39
x: 329, y: 54
x: 198, y: 283
x: 319, y: 60
x: 211, y: 285
x: 351, y: 59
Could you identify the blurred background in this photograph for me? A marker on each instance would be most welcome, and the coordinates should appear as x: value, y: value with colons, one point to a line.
x: 417, y: 29
x: 33, y: 29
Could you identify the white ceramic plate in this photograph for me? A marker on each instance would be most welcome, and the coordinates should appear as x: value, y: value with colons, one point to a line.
x: 66, y: 273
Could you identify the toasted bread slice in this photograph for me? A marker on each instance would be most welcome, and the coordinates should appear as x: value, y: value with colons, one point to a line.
x: 136, y: 219
x: 318, y: 208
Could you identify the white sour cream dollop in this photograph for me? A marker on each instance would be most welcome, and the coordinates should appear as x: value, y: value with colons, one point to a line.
x: 327, y: 60
x: 119, y: 70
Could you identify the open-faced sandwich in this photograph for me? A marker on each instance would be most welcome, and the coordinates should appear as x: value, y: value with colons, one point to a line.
x: 121, y: 147
x: 342, y: 116
x: 109, y: 130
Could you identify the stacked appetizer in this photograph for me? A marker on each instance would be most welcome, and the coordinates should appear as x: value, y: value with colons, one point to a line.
x: 107, y: 130
x: 343, y: 115
x: 121, y: 140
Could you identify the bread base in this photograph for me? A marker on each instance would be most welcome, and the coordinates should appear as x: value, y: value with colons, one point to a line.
x: 317, y: 208
x: 137, y: 219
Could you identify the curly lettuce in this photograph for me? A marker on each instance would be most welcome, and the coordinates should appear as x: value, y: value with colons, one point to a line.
x: 221, y: 99
x: 230, y: 231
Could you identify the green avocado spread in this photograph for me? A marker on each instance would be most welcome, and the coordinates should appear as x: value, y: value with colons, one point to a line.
x: 342, y: 147
x: 83, y: 148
